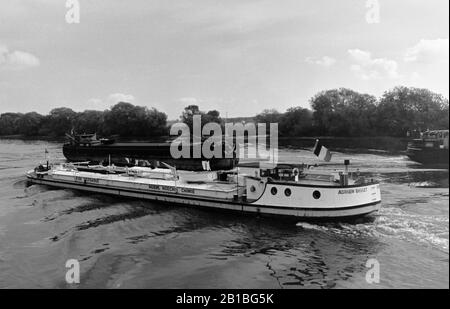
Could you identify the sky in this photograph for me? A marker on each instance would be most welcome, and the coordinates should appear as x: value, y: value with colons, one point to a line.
x: 236, y: 56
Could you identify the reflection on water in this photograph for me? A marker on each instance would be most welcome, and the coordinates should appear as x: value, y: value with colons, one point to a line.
x: 131, y: 243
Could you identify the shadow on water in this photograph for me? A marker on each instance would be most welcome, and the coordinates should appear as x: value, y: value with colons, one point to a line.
x: 306, y: 255
x: 131, y: 212
x: 20, y: 184
x: 181, y: 219
x: 312, y: 256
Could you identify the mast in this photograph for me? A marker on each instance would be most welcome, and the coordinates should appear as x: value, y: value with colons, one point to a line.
x: 237, y: 183
x: 45, y: 155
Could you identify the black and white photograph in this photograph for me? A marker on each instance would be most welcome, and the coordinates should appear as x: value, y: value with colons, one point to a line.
x: 224, y: 150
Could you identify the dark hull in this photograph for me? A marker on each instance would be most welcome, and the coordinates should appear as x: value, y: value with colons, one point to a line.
x: 428, y: 156
x: 122, y: 153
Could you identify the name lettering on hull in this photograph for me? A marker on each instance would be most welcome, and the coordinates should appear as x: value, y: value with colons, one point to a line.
x: 86, y: 179
x: 171, y: 189
x: 352, y: 191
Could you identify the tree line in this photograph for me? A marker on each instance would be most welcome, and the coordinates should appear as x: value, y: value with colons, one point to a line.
x: 344, y: 112
x: 335, y: 112
x: 124, y: 119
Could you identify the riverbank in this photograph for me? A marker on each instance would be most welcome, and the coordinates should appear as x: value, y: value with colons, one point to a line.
x: 373, y: 144
x: 33, y: 138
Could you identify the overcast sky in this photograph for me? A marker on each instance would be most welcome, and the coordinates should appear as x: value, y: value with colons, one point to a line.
x: 238, y: 57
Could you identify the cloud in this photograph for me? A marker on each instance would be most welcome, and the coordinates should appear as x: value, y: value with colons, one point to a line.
x: 189, y: 101
x: 324, y: 61
x: 368, y: 68
x: 428, y: 62
x: 120, y: 97
x: 17, y: 60
x: 234, y: 16
x: 112, y: 99
x: 428, y: 51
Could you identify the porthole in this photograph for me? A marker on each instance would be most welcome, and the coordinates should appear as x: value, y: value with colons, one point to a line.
x: 273, y: 191
x: 252, y: 189
x: 287, y: 192
x: 316, y: 194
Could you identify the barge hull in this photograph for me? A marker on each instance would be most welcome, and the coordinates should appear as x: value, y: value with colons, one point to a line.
x: 302, y: 213
x: 428, y: 156
x: 119, y: 153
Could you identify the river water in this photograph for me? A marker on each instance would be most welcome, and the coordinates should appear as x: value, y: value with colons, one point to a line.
x: 123, y: 243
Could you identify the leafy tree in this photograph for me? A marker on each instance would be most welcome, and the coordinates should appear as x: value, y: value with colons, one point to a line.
x: 155, y: 123
x: 9, y: 123
x: 128, y: 120
x: 297, y: 121
x: 190, y: 111
x: 30, y: 124
x: 89, y: 121
x: 343, y: 112
x: 212, y: 116
x: 402, y: 109
x: 59, y: 121
x: 268, y: 116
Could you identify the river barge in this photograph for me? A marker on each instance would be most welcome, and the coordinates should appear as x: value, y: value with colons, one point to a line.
x: 298, y: 192
x: 431, y: 148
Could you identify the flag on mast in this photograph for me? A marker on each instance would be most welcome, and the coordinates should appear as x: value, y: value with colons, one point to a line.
x: 321, y: 151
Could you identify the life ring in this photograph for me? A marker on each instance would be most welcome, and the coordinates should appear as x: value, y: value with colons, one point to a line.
x: 295, y: 171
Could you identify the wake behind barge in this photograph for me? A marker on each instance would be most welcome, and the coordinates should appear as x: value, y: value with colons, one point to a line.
x: 303, y: 194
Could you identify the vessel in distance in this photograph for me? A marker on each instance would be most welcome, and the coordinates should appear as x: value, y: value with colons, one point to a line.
x: 430, y: 148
